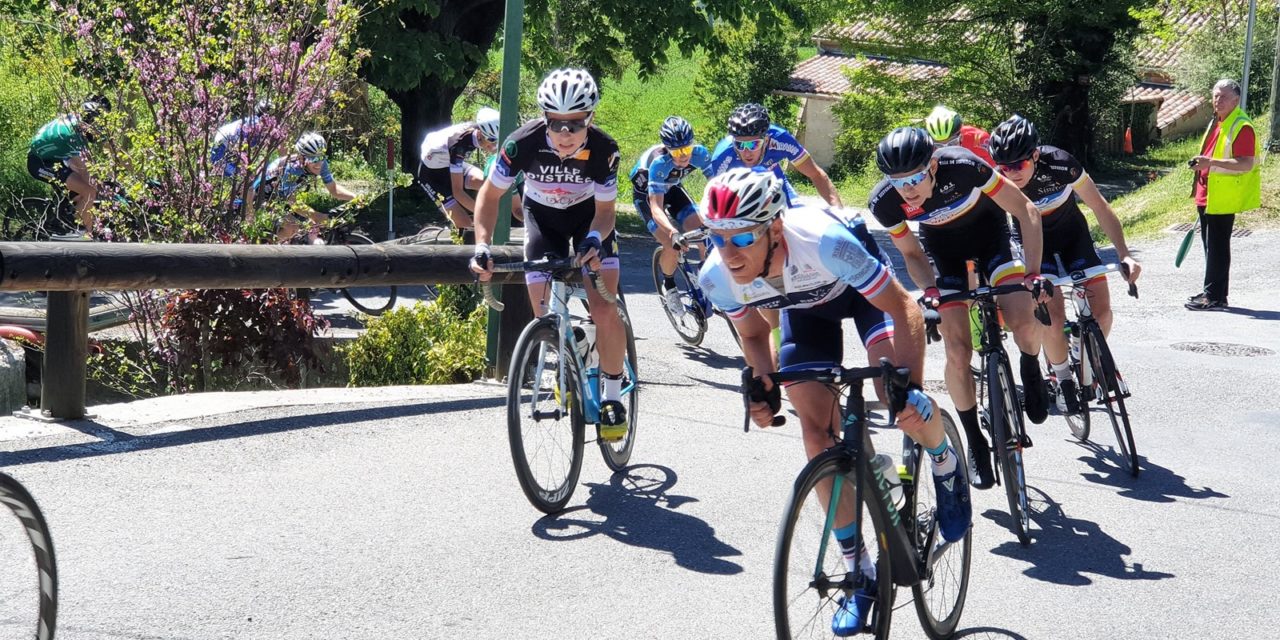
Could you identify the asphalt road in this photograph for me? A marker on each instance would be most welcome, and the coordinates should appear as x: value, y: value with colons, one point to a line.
x: 394, y: 513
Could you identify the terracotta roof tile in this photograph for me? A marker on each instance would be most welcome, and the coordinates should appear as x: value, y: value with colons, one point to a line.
x: 824, y: 74
x: 1173, y: 103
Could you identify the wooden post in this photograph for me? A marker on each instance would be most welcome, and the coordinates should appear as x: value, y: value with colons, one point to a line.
x: 512, y: 322
x: 66, y: 354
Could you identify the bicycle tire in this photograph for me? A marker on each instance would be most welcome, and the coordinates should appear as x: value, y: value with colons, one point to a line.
x: 1111, y: 397
x: 538, y: 340
x: 691, y: 334
x: 618, y: 454
x: 939, y: 624
x: 373, y: 300
x: 1079, y: 423
x: 24, y: 508
x: 1006, y: 419
x: 801, y: 524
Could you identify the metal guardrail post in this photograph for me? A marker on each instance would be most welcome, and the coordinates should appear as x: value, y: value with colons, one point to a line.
x: 66, y: 355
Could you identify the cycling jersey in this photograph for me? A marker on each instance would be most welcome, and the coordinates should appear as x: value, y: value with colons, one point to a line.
x: 656, y: 172
x: 555, y: 182
x: 229, y: 136
x: 781, y: 147
x: 58, y: 139
x: 448, y: 147
x: 488, y: 169
x: 1066, y: 232
x: 287, y: 175
x: 975, y: 140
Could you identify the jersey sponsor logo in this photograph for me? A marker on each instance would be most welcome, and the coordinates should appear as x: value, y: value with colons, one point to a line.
x: 509, y: 149
x: 911, y: 211
x: 583, y: 154
x: 614, y: 160
x: 947, y: 188
x: 785, y: 147
x: 802, y: 277
x: 855, y: 255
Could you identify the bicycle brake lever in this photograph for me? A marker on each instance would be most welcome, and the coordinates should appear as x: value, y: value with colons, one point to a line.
x: 1042, y: 314
x: 751, y: 390
x: 1133, y: 288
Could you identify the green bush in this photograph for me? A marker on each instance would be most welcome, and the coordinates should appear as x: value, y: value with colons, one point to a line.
x: 878, y: 102
x: 758, y: 61
x: 423, y: 344
x: 1215, y: 52
x: 27, y: 101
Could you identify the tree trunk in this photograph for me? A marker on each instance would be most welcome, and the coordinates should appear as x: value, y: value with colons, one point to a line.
x: 1073, y: 121
x: 422, y: 109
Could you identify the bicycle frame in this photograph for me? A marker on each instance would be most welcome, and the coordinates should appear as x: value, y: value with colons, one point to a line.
x: 1077, y: 281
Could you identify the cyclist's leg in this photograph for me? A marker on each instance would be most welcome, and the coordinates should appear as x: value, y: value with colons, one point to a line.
x: 1080, y: 254
x: 1002, y: 262
x: 1055, y: 342
x: 83, y: 193
x: 611, y: 335
x: 473, y: 176
x: 538, y: 244
x: 679, y: 209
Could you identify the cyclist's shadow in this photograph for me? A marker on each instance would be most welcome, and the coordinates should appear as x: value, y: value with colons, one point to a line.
x: 635, y: 508
x: 1154, y: 484
x: 1064, y: 549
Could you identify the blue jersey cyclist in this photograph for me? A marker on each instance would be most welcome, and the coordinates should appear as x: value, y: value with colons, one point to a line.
x: 820, y: 267
x: 287, y: 175
x: 662, y: 201
x: 233, y: 140
x: 753, y: 141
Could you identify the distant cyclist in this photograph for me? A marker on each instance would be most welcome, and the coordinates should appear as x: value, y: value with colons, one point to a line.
x: 56, y: 156
x: 661, y: 200
x: 947, y: 129
x: 287, y: 175
x: 1053, y: 179
x: 754, y: 141
x: 445, y: 173
x: 233, y: 140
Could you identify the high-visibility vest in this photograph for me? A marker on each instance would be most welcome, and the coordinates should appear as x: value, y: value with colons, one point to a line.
x: 1233, y: 192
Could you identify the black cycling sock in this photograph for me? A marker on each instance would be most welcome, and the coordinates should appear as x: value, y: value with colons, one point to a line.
x: 669, y: 282
x: 977, y: 441
x: 1030, y: 366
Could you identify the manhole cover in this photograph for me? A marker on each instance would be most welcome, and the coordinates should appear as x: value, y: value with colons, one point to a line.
x: 1181, y: 228
x: 1223, y: 349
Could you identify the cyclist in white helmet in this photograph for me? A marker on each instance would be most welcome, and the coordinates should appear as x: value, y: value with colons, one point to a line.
x: 287, y: 175
x: 570, y: 191
x: 820, y: 266
x: 446, y: 176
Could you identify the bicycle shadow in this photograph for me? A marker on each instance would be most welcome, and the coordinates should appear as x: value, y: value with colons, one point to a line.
x: 1155, y: 484
x: 635, y: 508
x: 711, y: 358
x: 988, y: 633
x: 1066, y: 549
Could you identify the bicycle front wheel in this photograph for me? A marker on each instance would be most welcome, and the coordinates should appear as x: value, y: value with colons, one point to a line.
x: 1006, y: 423
x: 688, y: 321
x: 1111, y: 396
x: 544, y: 417
x: 940, y: 596
x: 810, y: 577
x: 374, y: 299
x: 618, y: 454
x: 29, y: 578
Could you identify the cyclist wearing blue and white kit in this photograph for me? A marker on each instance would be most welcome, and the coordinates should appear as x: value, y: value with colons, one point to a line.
x: 1053, y: 179
x: 445, y: 174
x: 287, y: 175
x: 233, y: 140
x: 755, y: 142
x: 820, y: 267
x: 570, y: 172
x: 662, y: 201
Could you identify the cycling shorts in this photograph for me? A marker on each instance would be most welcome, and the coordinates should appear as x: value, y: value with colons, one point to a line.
x: 555, y: 232
x: 992, y: 247
x: 438, y: 183
x: 676, y: 202
x: 54, y: 172
x: 1070, y: 240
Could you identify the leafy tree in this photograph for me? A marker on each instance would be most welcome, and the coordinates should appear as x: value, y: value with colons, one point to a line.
x: 1217, y: 51
x: 757, y: 61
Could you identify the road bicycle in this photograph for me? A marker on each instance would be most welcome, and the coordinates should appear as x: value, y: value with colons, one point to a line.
x: 553, y: 388
x: 690, y: 321
x: 810, y: 577
x: 1093, y: 366
x: 43, y: 586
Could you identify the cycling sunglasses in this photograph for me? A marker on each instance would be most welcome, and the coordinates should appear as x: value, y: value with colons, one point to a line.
x: 311, y: 159
x: 681, y: 152
x: 748, y: 145
x: 557, y: 125
x: 911, y: 180
x: 1006, y: 167
x: 739, y: 240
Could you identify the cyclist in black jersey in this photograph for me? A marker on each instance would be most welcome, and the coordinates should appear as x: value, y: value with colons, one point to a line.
x: 960, y: 203
x: 1052, y: 179
x: 571, y: 186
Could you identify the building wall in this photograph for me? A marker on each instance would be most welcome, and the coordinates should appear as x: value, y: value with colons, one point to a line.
x: 819, y: 128
x: 1193, y: 124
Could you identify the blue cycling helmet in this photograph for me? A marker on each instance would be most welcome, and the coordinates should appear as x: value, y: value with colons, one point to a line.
x: 676, y: 132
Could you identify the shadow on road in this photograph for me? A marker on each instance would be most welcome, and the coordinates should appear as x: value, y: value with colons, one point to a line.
x: 1256, y: 314
x: 737, y: 389
x: 988, y: 633
x: 1065, y: 549
x: 635, y: 508
x: 1156, y: 484
x: 115, y: 441
x: 711, y: 358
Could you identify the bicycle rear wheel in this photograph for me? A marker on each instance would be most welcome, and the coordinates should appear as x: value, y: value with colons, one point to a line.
x: 1006, y: 423
x: 809, y: 571
x: 689, y: 323
x: 545, y: 425
x: 28, y: 594
x: 618, y: 454
x: 1111, y: 396
x: 940, y: 596
x: 374, y: 299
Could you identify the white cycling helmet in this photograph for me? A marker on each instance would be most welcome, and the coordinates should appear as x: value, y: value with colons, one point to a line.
x: 311, y: 144
x: 740, y: 198
x: 568, y: 91
x: 487, y: 122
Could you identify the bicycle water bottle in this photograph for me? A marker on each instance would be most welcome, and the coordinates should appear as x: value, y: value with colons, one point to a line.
x: 580, y: 338
x: 889, y: 471
x: 1074, y: 341
x: 587, y: 347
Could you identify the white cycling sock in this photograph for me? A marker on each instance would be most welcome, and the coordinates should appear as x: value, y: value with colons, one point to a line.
x: 1062, y: 370
x: 612, y: 386
x: 944, y: 458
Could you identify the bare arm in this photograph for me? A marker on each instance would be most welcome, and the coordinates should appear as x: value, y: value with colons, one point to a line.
x: 459, y: 182
x: 1242, y: 164
x: 657, y: 208
x: 1011, y: 199
x: 338, y: 191
x: 908, y: 328
x: 754, y: 331
x: 918, y: 266
x: 606, y: 216
x: 821, y: 181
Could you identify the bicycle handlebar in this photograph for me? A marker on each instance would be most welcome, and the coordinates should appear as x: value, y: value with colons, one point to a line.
x: 932, y: 320
x: 896, y: 380
x: 1080, y: 276
x: 690, y: 237
x: 546, y: 265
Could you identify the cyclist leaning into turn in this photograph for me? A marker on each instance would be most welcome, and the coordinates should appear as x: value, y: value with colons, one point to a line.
x: 960, y: 202
x: 571, y: 186
x: 820, y: 267
x: 56, y: 156
x: 287, y: 175
x: 661, y: 200
x: 753, y: 141
x: 1053, y: 179
x: 446, y: 175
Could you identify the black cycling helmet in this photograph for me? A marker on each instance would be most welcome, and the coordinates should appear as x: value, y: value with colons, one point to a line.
x: 1014, y: 140
x: 750, y: 119
x: 94, y: 107
x: 904, y: 149
x: 676, y: 132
